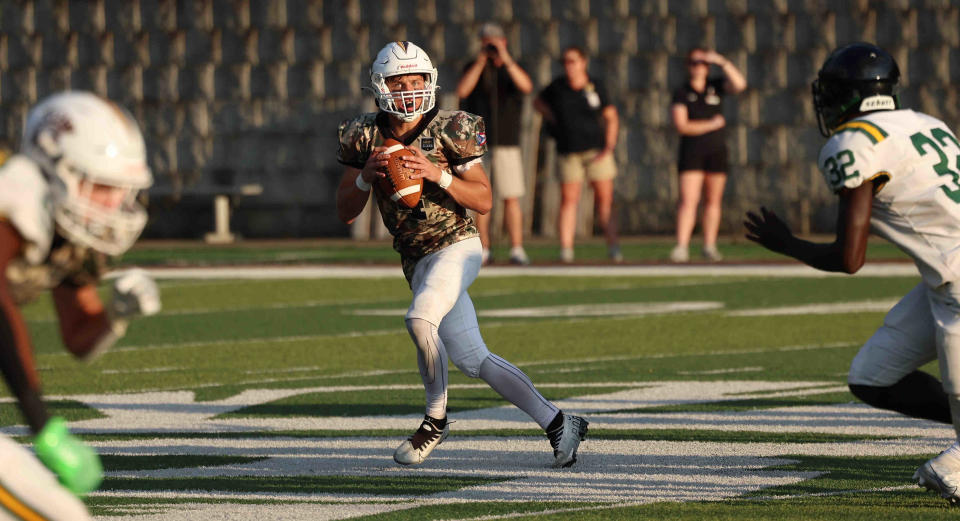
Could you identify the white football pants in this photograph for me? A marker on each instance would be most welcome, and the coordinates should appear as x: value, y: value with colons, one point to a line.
x: 443, y: 322
x: 28, y: 491
x: 922, y: 327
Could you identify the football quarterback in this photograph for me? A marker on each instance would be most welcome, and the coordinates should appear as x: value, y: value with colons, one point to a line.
x: 68, y: 201
x: 895, y: 170
x: 437, y: 241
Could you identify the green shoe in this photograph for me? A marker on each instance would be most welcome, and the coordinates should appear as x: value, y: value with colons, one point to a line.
x: 75, y: 464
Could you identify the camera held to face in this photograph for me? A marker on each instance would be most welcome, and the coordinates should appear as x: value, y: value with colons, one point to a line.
x: 491, y: 50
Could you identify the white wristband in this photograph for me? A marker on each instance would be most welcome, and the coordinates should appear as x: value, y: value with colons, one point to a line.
x: 445, y: 179
x: 362, y: 185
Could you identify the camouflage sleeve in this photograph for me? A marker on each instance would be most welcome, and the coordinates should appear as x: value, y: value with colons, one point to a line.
x: 465, y: 137
x: 355, y: 142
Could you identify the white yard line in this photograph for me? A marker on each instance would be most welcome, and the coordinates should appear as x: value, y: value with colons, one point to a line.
x: 729, y: 370
x: 819, y: 308
x: 335, y: 271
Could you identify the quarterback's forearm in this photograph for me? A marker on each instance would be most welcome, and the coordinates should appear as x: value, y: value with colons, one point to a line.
x: 350, y: 199
x: 472, y: 195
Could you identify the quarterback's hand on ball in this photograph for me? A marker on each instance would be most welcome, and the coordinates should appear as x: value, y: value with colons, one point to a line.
x: 424, y: 167
x: 768, y: 230
x: 134, y: 293
x: 376, y: 165
x: 76, y: 465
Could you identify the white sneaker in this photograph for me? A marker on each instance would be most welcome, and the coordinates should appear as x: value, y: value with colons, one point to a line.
x: 416, y: 448
x: 485, y: 257
x: 566, y: 255
x: 711, y: 253
x: 679, y: 254
x: 615, y: 255
x: 518, y: 256
x: 566, y: 438
x: 942, y: 475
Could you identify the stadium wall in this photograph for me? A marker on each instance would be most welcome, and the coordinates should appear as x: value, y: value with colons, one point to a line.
x: 251, y: 91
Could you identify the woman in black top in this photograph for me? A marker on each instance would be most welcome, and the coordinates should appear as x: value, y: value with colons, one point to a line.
x: 698, y: 118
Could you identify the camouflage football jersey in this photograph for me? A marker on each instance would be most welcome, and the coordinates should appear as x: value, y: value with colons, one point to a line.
x: 48, y: 260
x: 448, y: 139
x: 914, y: 162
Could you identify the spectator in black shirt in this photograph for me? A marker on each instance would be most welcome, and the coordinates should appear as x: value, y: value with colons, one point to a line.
x: 585, y: 124
x: 696, y: 112
x: 493, y: 86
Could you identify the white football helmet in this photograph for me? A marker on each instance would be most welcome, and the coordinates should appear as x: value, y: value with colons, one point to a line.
x: 398, y: 58
x: 94, y: 158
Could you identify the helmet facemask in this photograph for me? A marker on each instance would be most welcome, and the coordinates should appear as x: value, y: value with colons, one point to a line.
x: 396, y: 102
x: 105, y: 217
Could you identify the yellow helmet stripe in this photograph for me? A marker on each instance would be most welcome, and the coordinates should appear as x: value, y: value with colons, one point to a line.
x: 875, y: 133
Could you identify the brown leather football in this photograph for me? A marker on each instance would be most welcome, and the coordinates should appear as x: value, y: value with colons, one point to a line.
x: 397, y: 184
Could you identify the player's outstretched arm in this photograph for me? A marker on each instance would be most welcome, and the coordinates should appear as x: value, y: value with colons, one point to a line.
x: 88, y: 328
x: 845, y: 254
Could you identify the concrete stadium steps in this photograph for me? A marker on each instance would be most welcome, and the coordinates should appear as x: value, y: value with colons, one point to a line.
x: 230, y: 84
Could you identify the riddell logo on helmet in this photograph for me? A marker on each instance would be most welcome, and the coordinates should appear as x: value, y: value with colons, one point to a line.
x: 407, y: 66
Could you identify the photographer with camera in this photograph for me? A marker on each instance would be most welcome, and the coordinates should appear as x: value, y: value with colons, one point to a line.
x: 493, y: 86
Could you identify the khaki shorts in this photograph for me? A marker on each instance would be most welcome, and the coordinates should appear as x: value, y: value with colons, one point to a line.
x: 576, y: 166
x: 507, y: 174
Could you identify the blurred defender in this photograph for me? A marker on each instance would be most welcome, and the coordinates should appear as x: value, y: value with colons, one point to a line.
x: 67, y: 201
x: 898, y: 171
x: 437, y: 242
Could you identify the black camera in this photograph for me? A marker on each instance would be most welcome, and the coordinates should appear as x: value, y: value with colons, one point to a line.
x: 491, y: 49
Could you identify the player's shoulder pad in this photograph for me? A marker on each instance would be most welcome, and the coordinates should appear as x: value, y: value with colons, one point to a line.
x: 26, y: 202
x: 464, y: 135
x: 849, y: 158
x: 356, y: 137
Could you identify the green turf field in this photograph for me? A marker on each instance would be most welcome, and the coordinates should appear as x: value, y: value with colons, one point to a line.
x: 284, y: 399
x: 541, y: 251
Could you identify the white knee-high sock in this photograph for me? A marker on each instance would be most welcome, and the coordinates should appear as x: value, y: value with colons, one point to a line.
x: 517, y: 388
x: 432, y: 361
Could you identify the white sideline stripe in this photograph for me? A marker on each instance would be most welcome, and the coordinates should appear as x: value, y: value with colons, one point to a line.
x: 368, y: 272
x: 573, y: 310
x: 403, y: 192
x: 818, y: 309
x: 724, y: 371
x: 143, y: 370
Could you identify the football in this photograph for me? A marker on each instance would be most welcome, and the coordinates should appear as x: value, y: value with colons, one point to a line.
x: 397, y: 183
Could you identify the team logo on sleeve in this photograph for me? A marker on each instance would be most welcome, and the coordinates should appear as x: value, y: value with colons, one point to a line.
x: 481, y: 138
x: 426, y: 144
